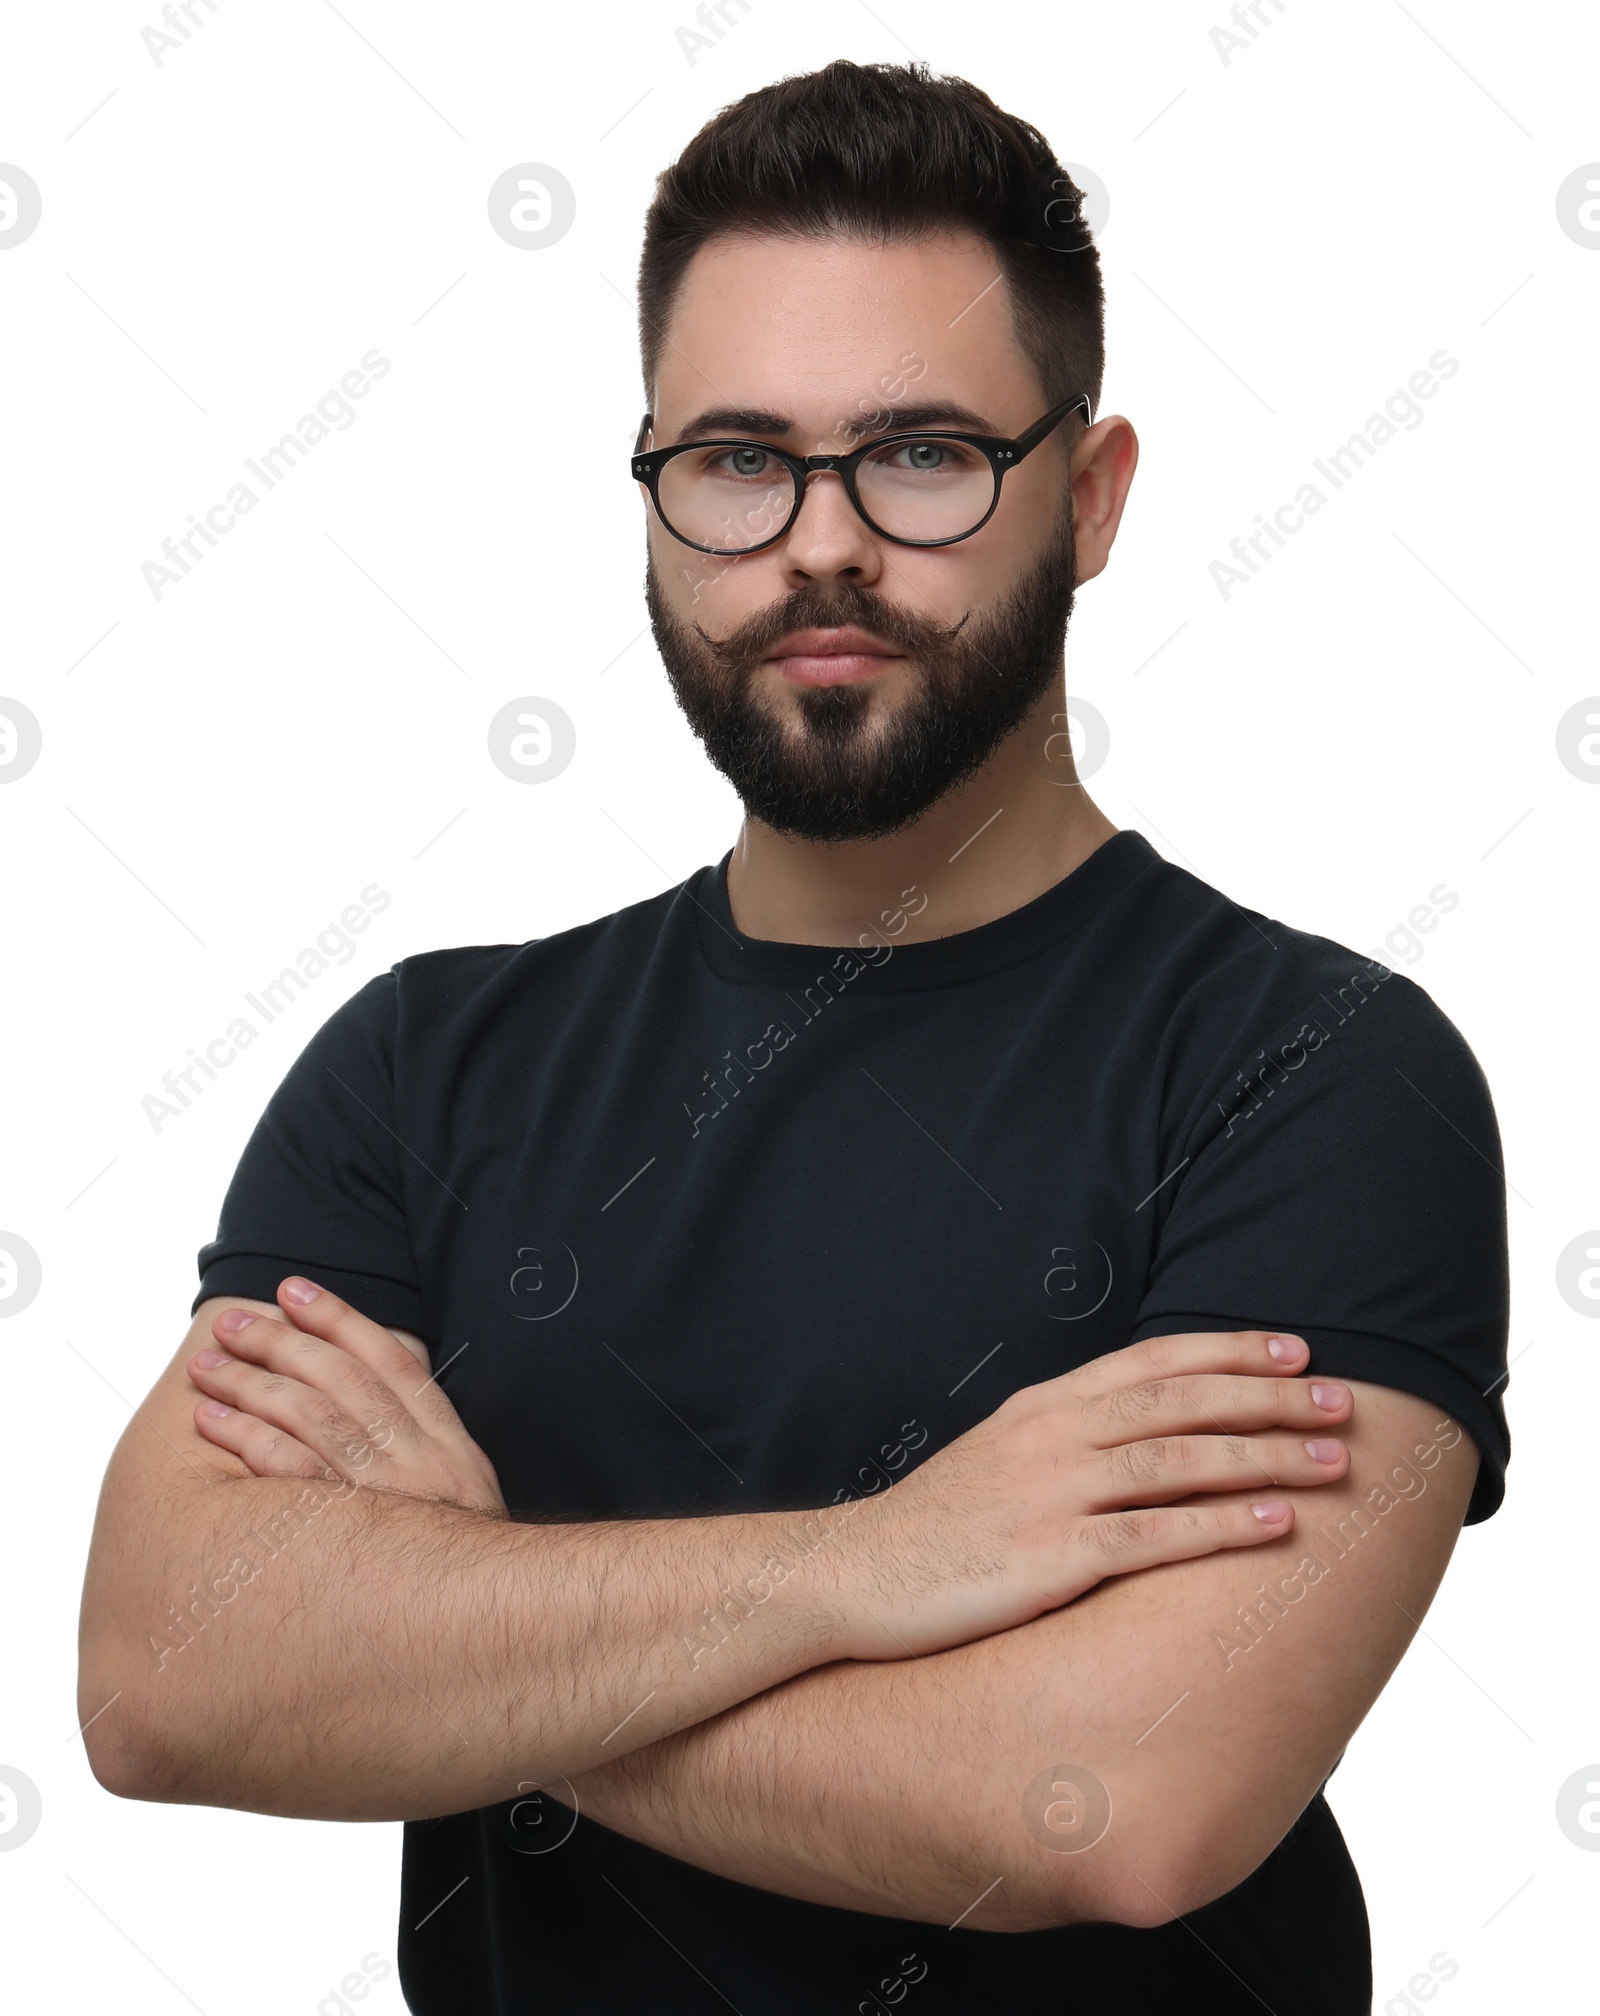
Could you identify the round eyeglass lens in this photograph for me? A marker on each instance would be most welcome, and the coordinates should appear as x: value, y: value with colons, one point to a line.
x: 728, y: 497
x: 925, y: 489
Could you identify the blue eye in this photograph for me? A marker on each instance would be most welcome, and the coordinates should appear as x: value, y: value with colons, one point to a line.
x: 743, y: 461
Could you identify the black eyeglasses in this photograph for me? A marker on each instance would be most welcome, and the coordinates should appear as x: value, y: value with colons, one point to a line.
x: 917, y: 489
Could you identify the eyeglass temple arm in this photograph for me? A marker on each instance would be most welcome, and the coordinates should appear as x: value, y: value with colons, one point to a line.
x: 1026, y: 443
x: 644, y: 429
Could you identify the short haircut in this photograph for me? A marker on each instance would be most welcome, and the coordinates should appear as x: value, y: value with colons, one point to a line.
x: 887, y: 151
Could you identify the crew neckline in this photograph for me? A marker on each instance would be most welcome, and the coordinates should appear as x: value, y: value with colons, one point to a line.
x: 931, y: 962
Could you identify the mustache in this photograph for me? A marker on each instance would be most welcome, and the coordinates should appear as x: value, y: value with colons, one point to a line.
x: 845, y: 607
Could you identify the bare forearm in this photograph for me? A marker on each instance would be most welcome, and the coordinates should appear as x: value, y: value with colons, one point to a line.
x: 929, y: 1790
x: 899, y: 1789
x: 910, y: 1789
x: 334, y: 1652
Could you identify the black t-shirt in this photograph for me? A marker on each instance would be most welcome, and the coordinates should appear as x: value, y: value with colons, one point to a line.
x: 700, y: 1224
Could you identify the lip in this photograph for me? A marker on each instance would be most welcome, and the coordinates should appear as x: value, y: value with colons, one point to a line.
x: 831, y: 657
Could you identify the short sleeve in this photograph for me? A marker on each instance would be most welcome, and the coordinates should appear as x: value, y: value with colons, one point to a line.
x: 1344, y: 1181
x: 317, y: 1189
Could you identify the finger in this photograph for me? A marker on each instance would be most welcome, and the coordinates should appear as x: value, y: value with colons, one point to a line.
x: 265, y: 1450
x: 433, y: 1456
x: 1226, y: 1403
x: 1160, y: 1472
x: 288, y: 1343
x: 1265, y: 1354
x: 315, y: 1311
x: 1121, y: 1543
x: 345, y: 1442
x: 346, y: 1380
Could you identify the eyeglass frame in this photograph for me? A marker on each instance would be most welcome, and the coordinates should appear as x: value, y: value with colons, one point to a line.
x: 1002, y: 455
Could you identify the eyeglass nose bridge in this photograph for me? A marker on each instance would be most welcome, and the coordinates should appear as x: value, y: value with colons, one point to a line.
x: 825, y: 465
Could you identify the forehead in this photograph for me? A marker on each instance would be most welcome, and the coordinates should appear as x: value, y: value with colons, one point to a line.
x: 809, y: 322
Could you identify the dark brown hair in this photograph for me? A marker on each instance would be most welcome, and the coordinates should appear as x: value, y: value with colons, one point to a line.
x: 887, y: 151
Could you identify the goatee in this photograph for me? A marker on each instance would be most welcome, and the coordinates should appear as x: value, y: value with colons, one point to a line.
x: 842, y: 769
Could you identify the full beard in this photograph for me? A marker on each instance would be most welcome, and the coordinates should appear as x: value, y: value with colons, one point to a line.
x: 844, y: 768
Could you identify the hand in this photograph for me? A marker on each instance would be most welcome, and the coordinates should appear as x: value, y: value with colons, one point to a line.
x: 328, y: 1390
x: 1100, y: 1472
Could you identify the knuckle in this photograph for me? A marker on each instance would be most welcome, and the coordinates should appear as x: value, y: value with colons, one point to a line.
x: 1235, y: 1395
x: 336, y: 1427
x: 1136, y: 1403
x: 1121, y: 1409
x: 276, y: 1451
x: 1121, y: 1533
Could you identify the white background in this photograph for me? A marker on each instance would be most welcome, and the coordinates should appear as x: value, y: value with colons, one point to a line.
x: 1292, y: 234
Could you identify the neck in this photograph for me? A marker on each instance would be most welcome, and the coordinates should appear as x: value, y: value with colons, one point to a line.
x: 989, y: 846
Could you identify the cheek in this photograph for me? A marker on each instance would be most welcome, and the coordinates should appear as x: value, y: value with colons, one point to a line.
x: 979, y: 571
x: 716, y: 593
x: 942, y: 585
x: 1030, y: 513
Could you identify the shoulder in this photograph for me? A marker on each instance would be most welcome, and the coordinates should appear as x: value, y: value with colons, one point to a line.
x: 1242, y: 993
x: 465, y: 984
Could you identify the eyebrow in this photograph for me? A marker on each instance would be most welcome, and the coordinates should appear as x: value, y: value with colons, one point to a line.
x: 742, y: 421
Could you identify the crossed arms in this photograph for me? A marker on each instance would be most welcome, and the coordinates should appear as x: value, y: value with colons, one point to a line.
x: 882, y: 1729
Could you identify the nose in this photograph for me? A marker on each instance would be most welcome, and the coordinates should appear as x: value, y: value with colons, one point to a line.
x: 829, y: 539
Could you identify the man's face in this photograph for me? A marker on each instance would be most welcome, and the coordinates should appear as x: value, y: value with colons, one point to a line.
x: 841, y: 682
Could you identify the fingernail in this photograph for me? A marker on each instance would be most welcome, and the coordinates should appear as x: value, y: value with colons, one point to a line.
x: 298, y: 1289
x: 212, y: 1359
x: 1270, y: 1511
x: 1324, y: 1452
x: 1284, y: 1349
x: 1327, y: 1393
x: 233, y: 1320
x: 214, y: 1408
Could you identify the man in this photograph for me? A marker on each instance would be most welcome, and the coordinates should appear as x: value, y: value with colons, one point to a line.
x: 823, y: 1345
